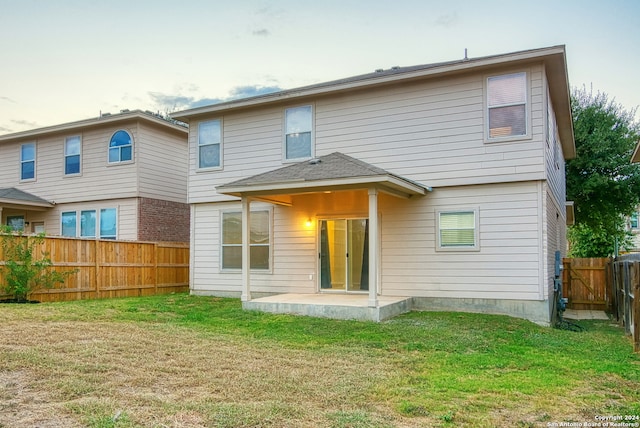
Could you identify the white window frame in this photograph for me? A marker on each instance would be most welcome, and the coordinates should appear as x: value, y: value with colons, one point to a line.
x: 527, y: 109
x: 220, y: 145
x: 269, y: 212
x: 99, y: 223
x: 312, y: 136
x: 476, y: 236
x: 67, y: 155
x: 75, y: 232
x: 95, y: 226
x: 78, y: 220
x: 120, y: 161
x: 34, y: 160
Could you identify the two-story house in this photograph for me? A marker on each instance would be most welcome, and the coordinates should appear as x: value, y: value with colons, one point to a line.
x: 117, y: 176
x: 441, y: 184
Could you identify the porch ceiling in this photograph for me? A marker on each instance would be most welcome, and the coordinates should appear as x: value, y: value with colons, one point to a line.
x: 332, y: 172
x: 11, y: 197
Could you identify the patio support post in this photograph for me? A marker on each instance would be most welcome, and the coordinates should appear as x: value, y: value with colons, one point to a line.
x: 246, y: 247
x: 373, y: 247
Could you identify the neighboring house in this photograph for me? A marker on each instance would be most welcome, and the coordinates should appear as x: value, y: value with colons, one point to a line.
x: 444, y: 183
x: 120, y: 176
x: 633, y: 222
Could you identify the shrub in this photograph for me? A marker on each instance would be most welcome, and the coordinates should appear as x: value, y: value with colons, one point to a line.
x: 25, y: 270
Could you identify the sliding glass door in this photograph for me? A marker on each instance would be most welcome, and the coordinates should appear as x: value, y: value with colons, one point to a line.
x: 344, y: 254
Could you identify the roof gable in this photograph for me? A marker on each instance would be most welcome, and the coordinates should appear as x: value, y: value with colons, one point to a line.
x: 16, y: 196
x: 335, y: 171
x: 553, y: 58
x: 104, y: 120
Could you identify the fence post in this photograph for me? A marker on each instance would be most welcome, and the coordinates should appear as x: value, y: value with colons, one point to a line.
x: 620, y: 292
x: 566, y: 288
x: 97, y: 254
x: 636, y: 313
x: 627, y: 292
x: 155, y: 268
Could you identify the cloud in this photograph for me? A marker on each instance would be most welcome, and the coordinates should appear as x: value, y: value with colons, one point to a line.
x: 7, y: 99
x: 251, y: 91
x: 447, y: 20
x: 25, y: 123
x: 169, y: 103
x: 261, y: 33
x: 19, y: 125
x: 173, y: 102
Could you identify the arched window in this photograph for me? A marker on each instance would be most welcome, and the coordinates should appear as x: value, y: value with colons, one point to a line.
x: 120, y: 147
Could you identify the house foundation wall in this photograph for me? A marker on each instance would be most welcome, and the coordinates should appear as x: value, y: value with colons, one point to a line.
x: 535, y: 311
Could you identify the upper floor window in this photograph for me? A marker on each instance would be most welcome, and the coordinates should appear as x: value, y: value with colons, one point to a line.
x: 298, y: 133
x: 507, y: 105
x: 120, y: 147
x: 457, y: 230
x: 209, y: 144
x: 633, y: 220
x: 72, y: 155
x: 28, y: 161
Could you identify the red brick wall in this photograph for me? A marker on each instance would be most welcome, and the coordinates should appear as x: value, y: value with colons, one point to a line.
x: 160, y: 220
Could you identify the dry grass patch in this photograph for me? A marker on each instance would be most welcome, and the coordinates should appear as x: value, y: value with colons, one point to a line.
x: 159, y: 375
x: 184, y: 361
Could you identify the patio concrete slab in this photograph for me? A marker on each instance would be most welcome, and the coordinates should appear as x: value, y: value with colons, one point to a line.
x: 337, y: 306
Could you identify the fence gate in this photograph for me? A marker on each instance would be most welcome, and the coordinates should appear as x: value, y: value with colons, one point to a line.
x: 585, y: 283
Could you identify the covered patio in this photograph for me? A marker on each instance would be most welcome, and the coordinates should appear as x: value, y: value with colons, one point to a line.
x: 14, y: 203
x: 335, y: 172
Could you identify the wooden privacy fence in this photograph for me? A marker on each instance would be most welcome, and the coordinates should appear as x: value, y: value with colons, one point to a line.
x: 611, y: 285
x: 586, y: 283
x: 106, y: 268
x: 626, y: 287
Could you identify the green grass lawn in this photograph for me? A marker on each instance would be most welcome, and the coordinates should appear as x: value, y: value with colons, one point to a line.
x: 190, y: 361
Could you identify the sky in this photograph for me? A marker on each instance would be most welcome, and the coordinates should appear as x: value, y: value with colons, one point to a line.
x: 68, y: 60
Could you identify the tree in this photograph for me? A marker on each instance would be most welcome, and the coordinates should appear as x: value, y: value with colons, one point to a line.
x: 601, y: 180
x: 24, y: 270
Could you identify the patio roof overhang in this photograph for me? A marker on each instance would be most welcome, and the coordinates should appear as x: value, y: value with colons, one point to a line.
x: 329, y: 173
x: 333, y: 172
x: 17, y: 199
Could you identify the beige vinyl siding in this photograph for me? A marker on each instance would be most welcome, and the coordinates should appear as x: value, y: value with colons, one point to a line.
x: 251, y: 144
x: 555, y: 164
x: 158, y: 169
x: 97, y: 180
x: 162, y: 164
x: 430, y: 131
x: 293, y: 254
x: 555, y: 237
x: 507, y: 265
x: 10, y: 163
x: 127, y: 215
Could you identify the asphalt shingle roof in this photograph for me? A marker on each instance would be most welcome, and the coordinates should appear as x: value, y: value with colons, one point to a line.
x: 329, y: 167
x: 18, y: 195
x: 324, y: 170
